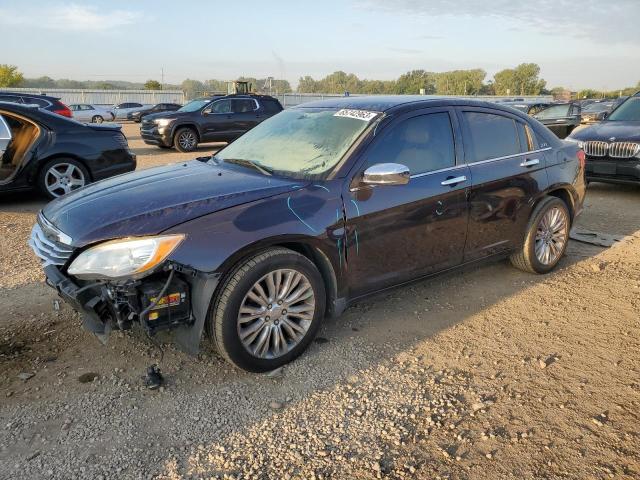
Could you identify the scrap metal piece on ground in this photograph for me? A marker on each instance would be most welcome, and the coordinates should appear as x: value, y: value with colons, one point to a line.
x: 594, y: 238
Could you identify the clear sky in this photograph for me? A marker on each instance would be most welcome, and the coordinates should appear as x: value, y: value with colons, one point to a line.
x: 584, y: 43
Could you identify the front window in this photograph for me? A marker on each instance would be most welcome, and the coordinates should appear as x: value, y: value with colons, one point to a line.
x: 194, y: 105
x: 556, y: 111
x: 596, y: 107
x: 301, y: 143
x: 629, y: 111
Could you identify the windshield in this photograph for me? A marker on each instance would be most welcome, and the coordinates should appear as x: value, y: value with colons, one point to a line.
x: 303, y: 143
x: 556, y: 111
x: 629, y: 111
x: 194, y: 105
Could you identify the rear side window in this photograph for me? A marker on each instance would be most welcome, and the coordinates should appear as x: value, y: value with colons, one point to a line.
x: 423, y: 143
x: 36, y: 101
x: 271, y: 106
x: 243, y: 106
x: 490, y: 136
x: 10, y: 98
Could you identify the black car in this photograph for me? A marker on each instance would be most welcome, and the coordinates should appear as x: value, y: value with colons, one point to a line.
x: 596, y: 112
x: 530, y: 108
x: 57, y: 154
x: 311, y: 210
x: 613, y: 145
x: 46, y: 102
x: 157, y: 108
x: 209, y: 119
x: 560, y: 118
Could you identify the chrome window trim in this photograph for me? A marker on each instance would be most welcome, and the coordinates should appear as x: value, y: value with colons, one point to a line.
x: 506, y: 157
x: 231, y: 101
x: 433, y: 172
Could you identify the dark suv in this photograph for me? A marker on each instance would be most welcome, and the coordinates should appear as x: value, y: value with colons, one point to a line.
x: 305, y: 214
x: 53, y: 104
x: 208, y: 119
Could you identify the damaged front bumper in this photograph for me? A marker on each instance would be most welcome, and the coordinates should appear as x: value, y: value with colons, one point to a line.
x: 182, y: 310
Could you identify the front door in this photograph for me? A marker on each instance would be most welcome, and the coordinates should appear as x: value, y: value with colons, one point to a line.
x: 507, y: 175
x: 397, y: 233
x: 217, y: 121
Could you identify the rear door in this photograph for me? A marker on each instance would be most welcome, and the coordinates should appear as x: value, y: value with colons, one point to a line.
x: 245, y: 114
x: 507, y: 175
x: 402, y: 232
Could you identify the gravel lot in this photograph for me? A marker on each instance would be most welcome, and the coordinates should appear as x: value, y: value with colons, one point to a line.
x: 486, y: 373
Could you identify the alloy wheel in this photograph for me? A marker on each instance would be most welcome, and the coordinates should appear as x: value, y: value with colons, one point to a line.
x: 276, y: 313
x: 62, y: 178
x: 187, y: 140
x: 551, y: 236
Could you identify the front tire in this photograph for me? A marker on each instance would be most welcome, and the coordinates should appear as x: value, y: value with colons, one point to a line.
x: 546, y: 238
x: 268, y: 310
x: 97, y: 119
x: 185, y: 140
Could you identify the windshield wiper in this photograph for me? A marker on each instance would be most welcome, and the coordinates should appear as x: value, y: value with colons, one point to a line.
x: 248, y: 163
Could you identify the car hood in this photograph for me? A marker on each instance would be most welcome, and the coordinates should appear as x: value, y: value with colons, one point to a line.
x: 622, y: 131
x: 150, y: 201
x: 174, y: 114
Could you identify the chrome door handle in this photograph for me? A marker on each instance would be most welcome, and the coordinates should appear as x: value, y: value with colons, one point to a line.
x: 530, y: 163
x: 453, y: 181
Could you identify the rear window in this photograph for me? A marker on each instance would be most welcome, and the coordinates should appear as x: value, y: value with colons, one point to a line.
x: 36, y: 101
x: 490, y: 136
x: 271, y: 106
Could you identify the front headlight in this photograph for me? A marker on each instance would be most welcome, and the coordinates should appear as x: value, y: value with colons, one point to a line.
x: 163, y: 122
x: 127, y: 257
x: 580, y: 143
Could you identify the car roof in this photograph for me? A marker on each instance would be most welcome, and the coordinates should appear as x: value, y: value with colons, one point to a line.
x: 385, y: 103
x: 29, y: 94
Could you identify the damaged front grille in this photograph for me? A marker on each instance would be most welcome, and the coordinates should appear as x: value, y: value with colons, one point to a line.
x: 50, y: 251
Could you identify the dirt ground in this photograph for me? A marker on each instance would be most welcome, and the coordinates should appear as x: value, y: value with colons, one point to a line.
x: 483, y: 373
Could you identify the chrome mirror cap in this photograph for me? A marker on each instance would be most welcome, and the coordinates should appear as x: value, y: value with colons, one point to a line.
x: 386, y: 174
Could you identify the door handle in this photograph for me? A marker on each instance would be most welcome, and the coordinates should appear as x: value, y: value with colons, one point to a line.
x: 530, y: 163
x: 454, y: 180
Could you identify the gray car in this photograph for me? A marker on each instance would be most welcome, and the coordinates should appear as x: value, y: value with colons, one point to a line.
x: 84, y: 112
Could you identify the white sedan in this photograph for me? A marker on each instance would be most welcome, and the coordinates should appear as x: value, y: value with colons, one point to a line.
x: 83, y: 112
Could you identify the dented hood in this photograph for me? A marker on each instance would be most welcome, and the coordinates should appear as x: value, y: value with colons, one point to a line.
x: 150, y: 201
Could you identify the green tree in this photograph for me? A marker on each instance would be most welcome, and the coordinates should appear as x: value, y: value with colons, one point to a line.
x: 307, y: 84
x: 415, y: 81
x: 10, y: 76
x: 152, y: 85
x: 193, y: 88
x: 460, y: 82
x: 522, y: 80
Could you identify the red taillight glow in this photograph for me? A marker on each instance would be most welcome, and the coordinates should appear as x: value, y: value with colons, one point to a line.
x: 65, y: 112
x: 581, y: 158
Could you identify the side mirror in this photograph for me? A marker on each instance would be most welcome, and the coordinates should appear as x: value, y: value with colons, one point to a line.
x: 386, y: 174
x: 604, y: 115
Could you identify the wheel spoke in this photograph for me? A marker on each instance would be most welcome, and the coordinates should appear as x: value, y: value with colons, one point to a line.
x: 276, y: 313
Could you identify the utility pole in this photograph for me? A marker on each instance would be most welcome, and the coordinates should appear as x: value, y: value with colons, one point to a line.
x: 162, y: 75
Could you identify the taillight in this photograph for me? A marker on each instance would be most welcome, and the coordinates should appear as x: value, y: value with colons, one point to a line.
x: 62, y: 109
x: 581, y: 157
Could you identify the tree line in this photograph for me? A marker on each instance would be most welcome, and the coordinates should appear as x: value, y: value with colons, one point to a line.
x: 523, y: 79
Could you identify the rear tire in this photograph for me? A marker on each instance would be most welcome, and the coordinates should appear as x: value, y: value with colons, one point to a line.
x: 61, y: 176
x: 185, y: 140
x: 254, y: 331
x: 546, y: 238
x: 97, y: 119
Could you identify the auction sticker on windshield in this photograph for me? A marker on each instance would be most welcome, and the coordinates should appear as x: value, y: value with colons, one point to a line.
x: 364, y: 115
